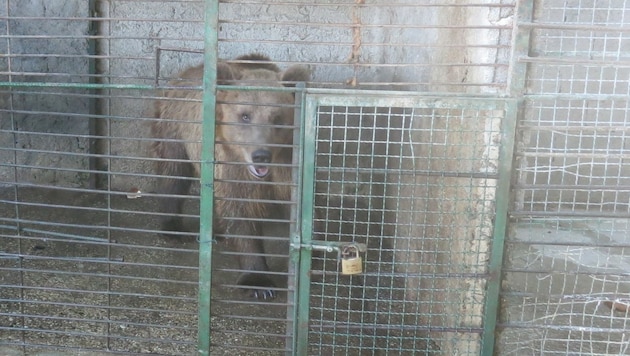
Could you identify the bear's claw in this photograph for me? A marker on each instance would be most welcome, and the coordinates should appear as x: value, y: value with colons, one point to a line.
x: 257, y: 283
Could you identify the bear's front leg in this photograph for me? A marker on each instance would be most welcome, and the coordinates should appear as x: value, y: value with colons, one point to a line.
x: 251, y: 260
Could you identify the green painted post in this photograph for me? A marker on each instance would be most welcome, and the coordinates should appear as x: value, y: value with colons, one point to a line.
x: 516, y: 88
x: 302, y: 243
x: 520, y: 48
x: 294, y: 231
x: 491, y: 307
x: 207, y: 174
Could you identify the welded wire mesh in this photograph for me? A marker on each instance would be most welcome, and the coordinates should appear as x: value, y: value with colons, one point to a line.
x: 416, y: 185
x: 565, y: 288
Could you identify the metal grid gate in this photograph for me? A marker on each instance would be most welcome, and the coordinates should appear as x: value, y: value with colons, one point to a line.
x: 388, y: 170
x: 565, y: 289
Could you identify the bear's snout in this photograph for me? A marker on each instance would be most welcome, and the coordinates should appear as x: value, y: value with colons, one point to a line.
x: 261, y: 156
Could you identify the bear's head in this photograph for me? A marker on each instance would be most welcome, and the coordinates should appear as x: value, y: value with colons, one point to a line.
x: 257, y: 123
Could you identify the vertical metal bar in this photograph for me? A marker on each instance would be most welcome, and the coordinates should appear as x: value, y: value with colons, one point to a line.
x: 520, y: 48
x: 294, y: 232
x: 16, y: 191
x: 207, y: 174
x: 99, y: 104
x: 93, y: 101
x: 518, y: 69
x: 302, y: 242
x: 506, y: 155
x: 517, y: 77
x: 100, y: 128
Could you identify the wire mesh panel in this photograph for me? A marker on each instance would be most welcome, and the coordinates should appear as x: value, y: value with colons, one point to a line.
x: 414, y: 182
x: 565, y: 284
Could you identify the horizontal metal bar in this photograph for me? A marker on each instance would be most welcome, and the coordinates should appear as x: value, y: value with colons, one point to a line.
x: 128, y: 230
x: 366, y: 26
x: 568, y: 272
x: 408, y: 45
x: 97, y: 275
x: 101, y: 293
x: 102, y: 19
x: 575, y: 97
x: 569, y: 214
x: 598, y: 244
x: 595, y: 297
x: 575, y: 27
x: 253, y: 302
x: 410, y: 3
x: 95, y: 321
x: 575, y: 154
x: 545, y: 325
x: 99, y: 260
x: 247, y: 318
x: 60, y: 234
x: 48, y: 348
x: 95, y: 209
x: 406, y: 327
x: 411, y: 99
x: 381, y: 275
x: 577, y: 128
x: 96, y: 306
x: 585, y: 187
x: 110, y: 335
x: 408, y: 172
x: 575, y: 61
x: 74, y: 85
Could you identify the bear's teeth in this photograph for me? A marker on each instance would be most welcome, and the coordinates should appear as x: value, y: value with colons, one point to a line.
x: 258, y: 171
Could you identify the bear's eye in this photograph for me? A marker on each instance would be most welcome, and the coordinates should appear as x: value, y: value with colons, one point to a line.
x: 246, y: 118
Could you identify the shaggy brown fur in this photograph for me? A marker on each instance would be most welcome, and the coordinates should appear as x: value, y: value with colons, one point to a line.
x: 250, y: 143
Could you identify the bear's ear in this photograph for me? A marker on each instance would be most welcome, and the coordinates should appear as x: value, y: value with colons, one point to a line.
x: 224, y: 74
x: 295, y: 74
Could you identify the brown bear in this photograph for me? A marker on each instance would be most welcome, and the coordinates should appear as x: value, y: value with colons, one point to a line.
x: 253, y: 154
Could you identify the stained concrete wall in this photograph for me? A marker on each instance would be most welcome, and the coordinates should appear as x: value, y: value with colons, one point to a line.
x: 51, y: 121
x: 445, y: 225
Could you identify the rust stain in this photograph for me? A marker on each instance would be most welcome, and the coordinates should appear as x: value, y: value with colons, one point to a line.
x: 355, y: 53
x: 617, y: 306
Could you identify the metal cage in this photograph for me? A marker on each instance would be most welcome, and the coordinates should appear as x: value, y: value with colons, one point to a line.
x: 470, y: 157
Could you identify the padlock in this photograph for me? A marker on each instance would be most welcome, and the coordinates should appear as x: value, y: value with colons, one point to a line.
x: 351, y: 262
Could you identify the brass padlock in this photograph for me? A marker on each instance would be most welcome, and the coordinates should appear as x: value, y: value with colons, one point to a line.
x: 351, y: 262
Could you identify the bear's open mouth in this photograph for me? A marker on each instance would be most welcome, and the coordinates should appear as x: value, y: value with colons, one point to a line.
x: 258, y: 171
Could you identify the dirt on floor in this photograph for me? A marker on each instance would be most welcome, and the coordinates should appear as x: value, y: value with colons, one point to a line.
x: 85, y: 273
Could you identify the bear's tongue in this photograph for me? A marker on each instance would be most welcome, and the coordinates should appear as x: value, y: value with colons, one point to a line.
x: 258, y: 171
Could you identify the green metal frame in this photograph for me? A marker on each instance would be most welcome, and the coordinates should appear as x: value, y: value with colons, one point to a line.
x: 503, y: 196
x: 206, y: 209
x: 302, y: 244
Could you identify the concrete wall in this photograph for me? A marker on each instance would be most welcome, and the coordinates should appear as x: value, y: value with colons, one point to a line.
x: 47, y: 119
x: 445, y: 224
x: 588, y: 128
